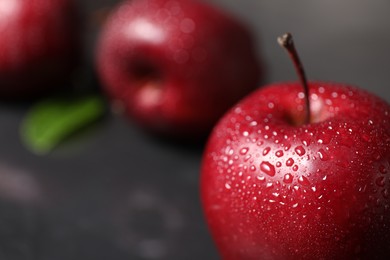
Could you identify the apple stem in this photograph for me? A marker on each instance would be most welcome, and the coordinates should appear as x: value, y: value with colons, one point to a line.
x: 287, y: 43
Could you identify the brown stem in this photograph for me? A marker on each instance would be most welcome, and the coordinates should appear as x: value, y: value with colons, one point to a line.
x: 287, y: 43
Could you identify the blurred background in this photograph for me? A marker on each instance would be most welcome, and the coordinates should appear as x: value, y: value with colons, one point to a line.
x: 114, y: 192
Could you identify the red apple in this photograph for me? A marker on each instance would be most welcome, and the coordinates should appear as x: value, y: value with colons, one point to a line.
x: 176, y: 65
x: 276, y: 186
x: 38, y: 46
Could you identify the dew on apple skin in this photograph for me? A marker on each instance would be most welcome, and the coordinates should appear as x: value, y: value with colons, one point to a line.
x: 279, y: 153
x: 290, y: 162
x: 303, y: 180
x: 247, y: 158
x: 288, y: 178
x: 261, y: 178
x: 229, y: 150
x: 323, y: 155
x: 295, y: 205
x: 244, y: 151
x: 266, y: 150
x: 300, y: 150
x: 287, y: 147
x: 295, y: 168
x: 267, y: 168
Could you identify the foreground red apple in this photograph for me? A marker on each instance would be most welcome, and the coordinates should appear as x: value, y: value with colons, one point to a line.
x: 277, y: 187
x: 176, y: 66
x: 38, y: 46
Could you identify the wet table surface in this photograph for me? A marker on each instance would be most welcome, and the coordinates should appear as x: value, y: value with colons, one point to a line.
x: 118, y: 193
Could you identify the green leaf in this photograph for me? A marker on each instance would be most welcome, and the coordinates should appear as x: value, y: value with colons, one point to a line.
x: 51, y: 121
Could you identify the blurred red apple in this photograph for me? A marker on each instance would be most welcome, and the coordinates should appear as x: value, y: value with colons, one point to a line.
x: 176, y: 65
x: 39, y: 42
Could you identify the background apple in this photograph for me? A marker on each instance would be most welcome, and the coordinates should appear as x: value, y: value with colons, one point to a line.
x: 275, y: 187
x: 176, y: 66
x: 38, y: 46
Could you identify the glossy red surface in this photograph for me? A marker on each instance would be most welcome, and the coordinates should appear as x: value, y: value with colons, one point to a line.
x: 176, y: 66
x: 273, y: 188
x: 39, y: 46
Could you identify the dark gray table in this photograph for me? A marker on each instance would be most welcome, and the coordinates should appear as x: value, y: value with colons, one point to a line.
x: 116, y: 193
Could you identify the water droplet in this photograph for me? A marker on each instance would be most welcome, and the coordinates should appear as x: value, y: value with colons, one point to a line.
x: 261, y: 178
x: 227, y: 186
x: 245, y: 133
x: 244, y: 150
x: 279, y: 153
x: 300, y: 150
x: 303, y: 180
x: 295, y: 168
x: 288, y: 178
x: 290, y: 162
x: 229, y: 150
x: 362, y: 189
x: 267, y: 168
x: 380, y: 181
x: 323, y: 155
x: 252, y: 168
x: 247, y: 157
x: 266, y: 150
x: 278, y: 164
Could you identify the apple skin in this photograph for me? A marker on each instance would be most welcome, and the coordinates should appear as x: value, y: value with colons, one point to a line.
x: 275, y: 188
x: 176, y: 66
x: 39, y: 46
